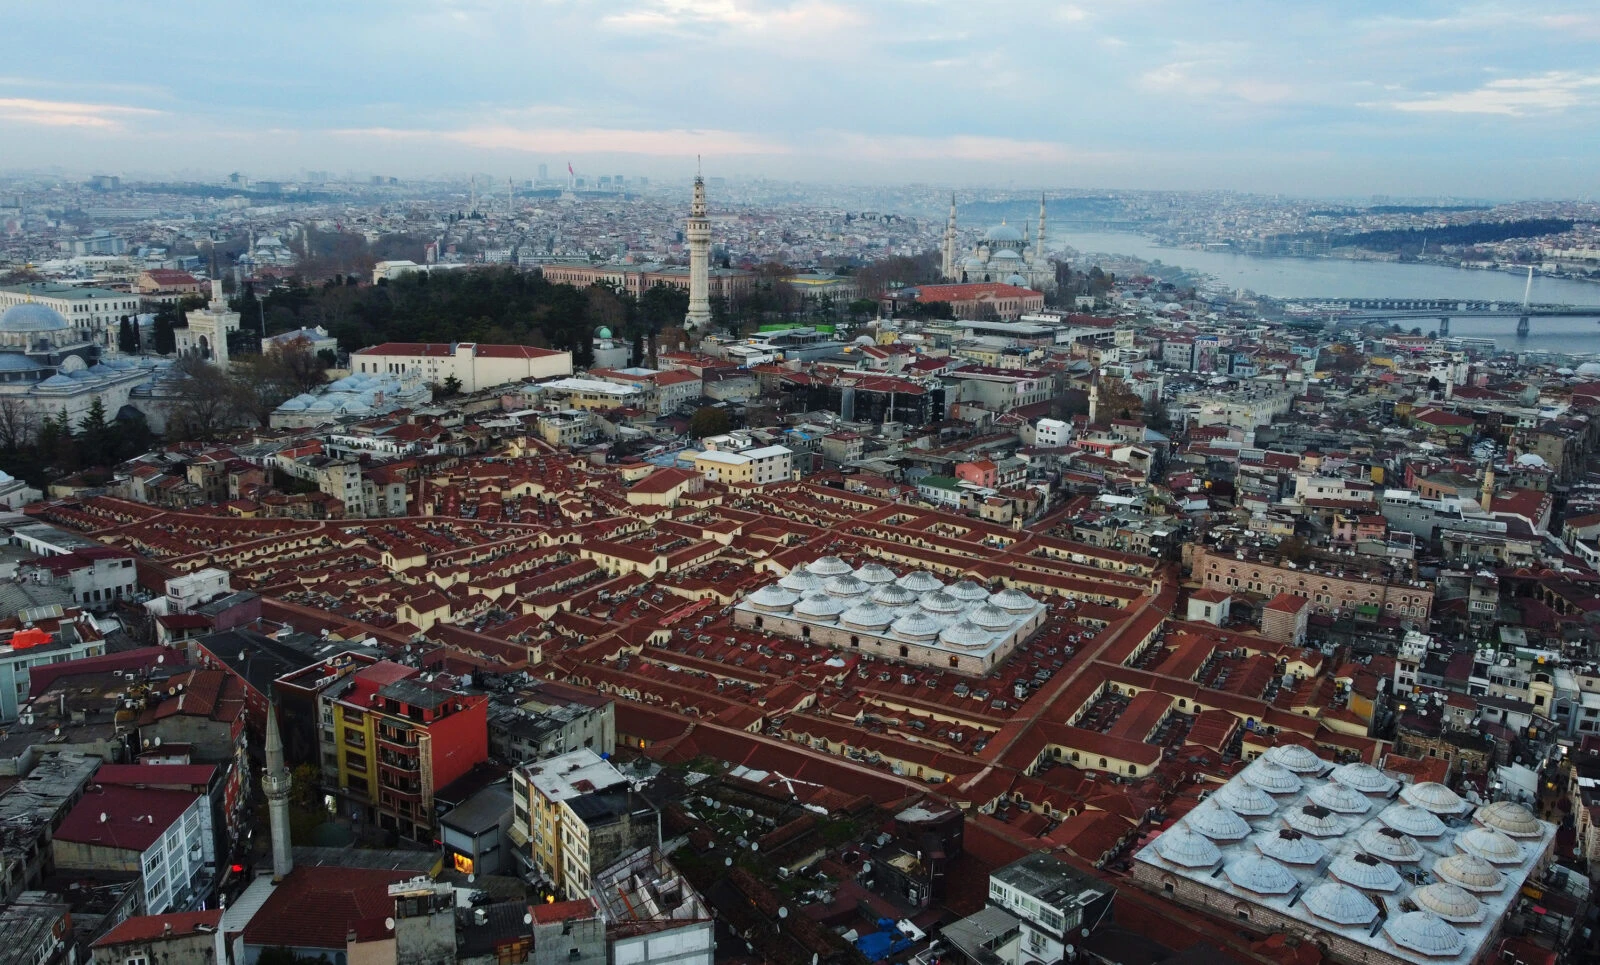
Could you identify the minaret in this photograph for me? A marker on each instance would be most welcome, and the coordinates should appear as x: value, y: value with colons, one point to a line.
x: 1038, y: 248
x: 275, y: 785
x: 699, y: 235
x: 950, y: 242
x: 1486, y: 494
x: 1094, y: 396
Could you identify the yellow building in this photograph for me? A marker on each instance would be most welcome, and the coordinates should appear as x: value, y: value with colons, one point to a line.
x: 754, y: 467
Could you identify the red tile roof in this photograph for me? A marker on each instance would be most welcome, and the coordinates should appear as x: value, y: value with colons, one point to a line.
x: 155, y: 775
x: 315, y: 907
x: 966, y: 293
x: 430, y: 349
x: 147, y: 928
x: 126, y: 809
x: 514, y: 352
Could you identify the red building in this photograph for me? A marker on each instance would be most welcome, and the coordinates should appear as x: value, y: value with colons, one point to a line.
x: 984, y: 300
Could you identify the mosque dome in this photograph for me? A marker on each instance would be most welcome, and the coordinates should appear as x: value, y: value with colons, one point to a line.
x: 1003, y: 232
x: 1415, y: 821
x: 1314, y: 819
x: 1589, y: 369
x: 916, y: 625
x: 1272, y: 777
x: 1296, y: 757
x: 1186, y: 849
x: 991, y: 617
x: 1217, y: 822
x: 1449, y: 902
x: 1425, y: 933
x: 1013, y: 601
x: 1006, y: 254
x: 1389, y: 844
x: 1363, y: 777
x: 602, y: 332
x: 1018, y: 281
x: 940, y: 602
x: 802, y: 581
x: 17, y: 362
x: 1434, y: 797
x: 1365, y: 872
x: 1469, y: 871
x: 1261, y: 874
x: 967, y: 591
x: 826, y: 566
x: 773, y: 597
x: 846, y: 586
x: 1337, y: 797
x: 1292, y: 847
x: 875, y: 573
x: 867, y: 616
x: 966, y: 635
x: 1340, y: 904
x: 821, y: 608
x: 1491, y: 845
x: 920, y: 581
x: 30, y: 317
x: 1509, y: 817
x: 1245, y: 798
x: 890, y: 594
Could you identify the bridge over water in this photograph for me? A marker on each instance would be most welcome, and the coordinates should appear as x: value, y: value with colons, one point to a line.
x: 1444, y: 309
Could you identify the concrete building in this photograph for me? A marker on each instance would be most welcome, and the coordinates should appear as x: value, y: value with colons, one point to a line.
x: 549, y: 723
x: 652, y: 914
x: 96, y: 577
x: 569, y: 933
x: 1347, y: 860
x: 758, y: 466
x: 162, y: 837
x: 94, y: 314
x: 74, y: 637
x: 475, y: 835
x: 542, y: 820
x: 187, y: 938
x: 1054, y: 904
x: 915, y: 618
x: 1357, y: 593
x: 475, y: 366
x: 638, y: 279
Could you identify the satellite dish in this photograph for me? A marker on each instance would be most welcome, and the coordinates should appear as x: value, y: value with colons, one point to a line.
x: 783, y: 912
x: 471, y: 878
x: 161, y: 658
x: 727, y: 862
x: 103, y: 818
x: 527, y: 919
x: 389, y: 924
x: 754, y: 846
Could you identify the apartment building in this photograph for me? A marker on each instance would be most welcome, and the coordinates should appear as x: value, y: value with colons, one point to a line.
x: 757, y: 466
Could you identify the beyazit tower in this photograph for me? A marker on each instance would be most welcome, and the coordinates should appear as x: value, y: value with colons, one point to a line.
x: 699, y: 236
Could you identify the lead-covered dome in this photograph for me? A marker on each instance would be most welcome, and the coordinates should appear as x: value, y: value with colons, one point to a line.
x: 920, y: 582
x: 1296, y: 757
x: 1314, y: 819
x: 1434, y: 797
x: 1217, y: 822
x: 1242, y: 798
x: 1364, y: 778
x: 1260, y: 874
x: 802, y: 581
x: 1291, y: 847
x: 1509, y: 817
x: 1365, y: 872
x: 1186, y: 849
x: 940, y: 602
x: 1389, y: 844
x: 1272, y: 777
x: 991, y: 617
x: 891, y: 594
x: 821, y: 607
x: 1004, y: 233
x: 1415, y: 821
x: 1449, y: 902
x: 867, y: 616
x: 31, y: 317
x: 1425, y: 933
x: 845, y: 586
x: 1338, y: 797
x: 916, y: 625
x: 1469, y: 871
x: 1490, y: 845
x: 1339, y: 903
x: 826, y: 566
x: 875, y: 573
x: 967, y: 591
x: 773, y: 598
x: 1013, y: 601
x: 966, y: 635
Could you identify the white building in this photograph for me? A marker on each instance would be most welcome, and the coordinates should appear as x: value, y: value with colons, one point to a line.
x: 95, y: 314
x: 1051, y: 433
x: 206, y: 334
x: 474, y: 365
x: 162, y: 836
x: 759, y: 466
x: 190, y: 590
x: 653, y: 915
x: 51, y: 365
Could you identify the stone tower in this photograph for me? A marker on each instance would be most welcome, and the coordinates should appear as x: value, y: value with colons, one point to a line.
x: 1037, y: 255
x: 275, y: 785
x: 699, y: 237
x: 950, y: 240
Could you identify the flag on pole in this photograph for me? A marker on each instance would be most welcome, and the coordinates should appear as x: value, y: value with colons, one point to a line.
x: 569, y: 169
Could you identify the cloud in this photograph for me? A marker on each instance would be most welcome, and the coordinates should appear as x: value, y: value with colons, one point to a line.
x: 660, y: 143
x: 806, y: 17
x: 27, y: 110
x: 961, y: 147
x: 1550, y: 92
x: 1207, y: 78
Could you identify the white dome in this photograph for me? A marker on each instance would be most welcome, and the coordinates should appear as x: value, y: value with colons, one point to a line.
x: 1003, y: 232
x: 1314, y: 819
x: 1217, y: 822
x: 802, y: 581
x: 890, y: 594
x: 1469, y: 871
x: 1337, y: 797
x: 820, y: 607
x: 1510, y: 818
x: 827, y: 566
x: 875, y: 573
x: 966, y: 635
x: 1415, y: 821
x: 1340, y: 904
x: 920, y: 582
x: 1449, y: 902
x: 1491, y: 845
x: 1589, y: 369
x: 940, y: 602
x: 32, y: 317
x: 991, y: 618
x: 1014, y: 601
x: 1434, y: 797
x: 845, y: 586
x: 1533, y: 459
x: 867, y: 616
x: 916, y: 625
x: 1260, y: 874
x: 1243, y: 798
x: 1296, y: 757
x: 1365, y: 872
x: 1364, y: 778
x: 773, y: 597
x: 1186, y: 849
x: 967, y: 591
x: 1425, y: 933
x: 1292, y: 847
x: 1272, y: 778
x: 1389, y: 844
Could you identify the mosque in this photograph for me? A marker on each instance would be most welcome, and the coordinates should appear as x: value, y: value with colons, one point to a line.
x: 1002, y: 255
x: 52, y: 367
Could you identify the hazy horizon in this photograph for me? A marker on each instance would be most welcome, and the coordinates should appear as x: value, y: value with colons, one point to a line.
x: 1321, y: 100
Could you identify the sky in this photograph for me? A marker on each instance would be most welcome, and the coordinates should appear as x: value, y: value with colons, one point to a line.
x: 1335, y: 98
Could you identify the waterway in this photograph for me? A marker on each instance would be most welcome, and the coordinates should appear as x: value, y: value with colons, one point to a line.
x: 1339, y: 278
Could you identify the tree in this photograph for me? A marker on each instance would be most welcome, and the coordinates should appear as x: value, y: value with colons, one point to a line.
x: 722, y: 317
x: 127, y: 337
x: 97, y: 437
x: 447, y: 389
x: 167, y: 319
x: 18, y: 422
x: 203, y: 403
x: 709, y: 421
